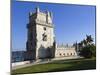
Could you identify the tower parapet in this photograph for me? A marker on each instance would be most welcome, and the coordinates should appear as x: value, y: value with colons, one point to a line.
x: 37, y: 10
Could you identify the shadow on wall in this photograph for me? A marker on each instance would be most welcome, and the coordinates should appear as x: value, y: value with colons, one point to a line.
x: 45, y: 52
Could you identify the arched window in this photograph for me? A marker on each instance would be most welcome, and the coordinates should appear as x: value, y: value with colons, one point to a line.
x: 44, y: 37
x: 71, y: 54
x: 44, y: 28
x: 60, y: 54
x: 64, y: 54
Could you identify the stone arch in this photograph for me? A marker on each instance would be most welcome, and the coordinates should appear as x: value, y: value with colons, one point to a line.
x: 63, y: 54
x: 71, y: 54
x: 60, y: 54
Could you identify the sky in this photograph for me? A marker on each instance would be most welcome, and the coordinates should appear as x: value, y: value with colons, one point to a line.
x: 71, y: 22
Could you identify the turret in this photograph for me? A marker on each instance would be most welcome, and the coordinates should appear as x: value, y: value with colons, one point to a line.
x: 48, y: 17
x: 30, y: 13
x: 37, y: 10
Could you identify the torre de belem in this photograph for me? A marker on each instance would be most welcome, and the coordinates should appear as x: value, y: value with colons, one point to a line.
x: 41, y: 42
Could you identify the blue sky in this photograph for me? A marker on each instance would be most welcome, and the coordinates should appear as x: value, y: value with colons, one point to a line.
x: 71, y: 22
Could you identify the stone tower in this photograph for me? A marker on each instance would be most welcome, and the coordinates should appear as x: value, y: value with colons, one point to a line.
x: 40, y: 40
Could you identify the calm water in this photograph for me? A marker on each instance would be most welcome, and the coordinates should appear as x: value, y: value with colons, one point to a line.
x: 18, y: 56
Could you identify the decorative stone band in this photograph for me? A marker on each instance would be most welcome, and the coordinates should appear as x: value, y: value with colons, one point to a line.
x: 44, y: 24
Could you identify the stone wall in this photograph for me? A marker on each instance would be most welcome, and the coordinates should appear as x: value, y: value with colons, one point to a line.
x: 20, y: 63
x: 65, y: 51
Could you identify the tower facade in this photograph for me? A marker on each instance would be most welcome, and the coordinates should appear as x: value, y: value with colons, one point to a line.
x: 40, y: 40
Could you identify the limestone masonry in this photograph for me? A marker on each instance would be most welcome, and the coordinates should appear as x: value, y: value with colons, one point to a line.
x: 41, y: 42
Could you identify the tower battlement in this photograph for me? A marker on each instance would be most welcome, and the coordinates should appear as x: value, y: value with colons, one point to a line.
x: 64, y: 46
x: 45, y: 17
